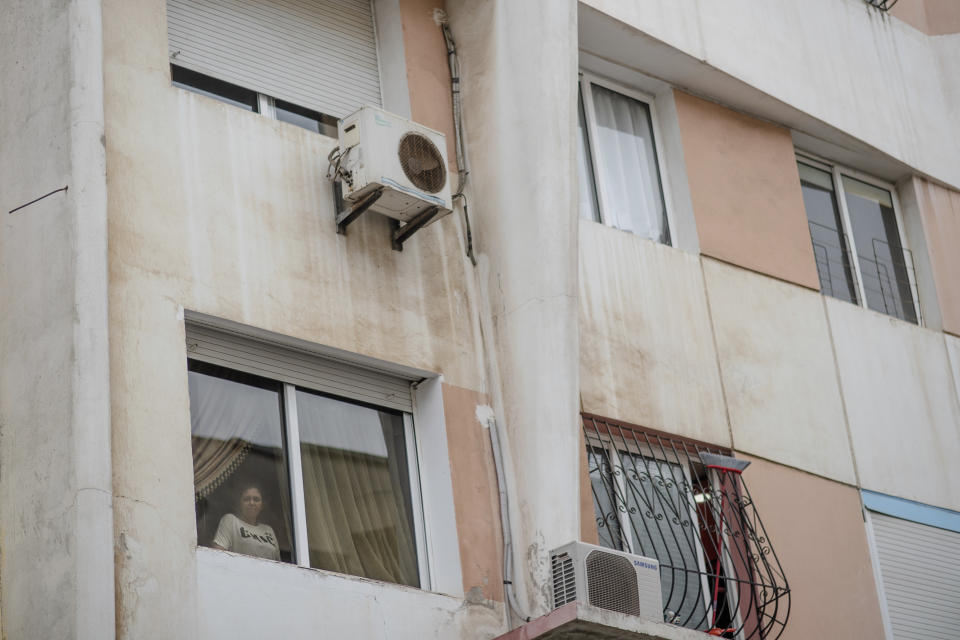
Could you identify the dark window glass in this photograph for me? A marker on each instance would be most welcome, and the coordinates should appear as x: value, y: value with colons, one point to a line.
x: 306, y: 118
x: 357, y: 489
x: 588, y: 190
x: 883, y: 263
x: 830, y: 248
x: 239, y: 467
x: 218, y: 89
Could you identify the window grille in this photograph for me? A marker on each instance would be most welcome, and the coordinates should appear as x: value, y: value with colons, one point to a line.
x: 685, y: 504
x: 883, y: 5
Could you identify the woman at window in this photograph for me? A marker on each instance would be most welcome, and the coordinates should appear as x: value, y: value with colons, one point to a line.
x: 244, y: 533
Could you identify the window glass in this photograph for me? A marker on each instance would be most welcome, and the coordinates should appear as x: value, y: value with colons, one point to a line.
x: 602, y: 483
x: 826, y: 232
x: 239, y: 466
x: 357, y: 489
x: 588, y: 191
x: 213, y: 88
x: 305, y: 118
x: 630, y: 177
x: 880, y: 253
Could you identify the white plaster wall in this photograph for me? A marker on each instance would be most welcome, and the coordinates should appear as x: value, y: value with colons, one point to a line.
x: 953, y: 349
x: 55, y: 487
x: 242, y: 597
x: 647, y: 351
x: 779, y: 376
x: 834, y: 62
x: 518, y: 62
x: 901, y: 404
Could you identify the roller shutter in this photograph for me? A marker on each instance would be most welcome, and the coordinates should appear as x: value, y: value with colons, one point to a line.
x: 321, y: 373
x: 319, y: 54
x: 920, y: 569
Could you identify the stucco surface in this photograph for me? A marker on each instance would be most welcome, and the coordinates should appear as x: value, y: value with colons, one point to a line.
x: 901, y: 403
x: 475, y: 492
x: 646, y: 348
x: 940, y: 213
x: 778, y: 370
x: 933, y: 17
x: 746, y: 192
x: 816, y: 528
x: 953, y: 350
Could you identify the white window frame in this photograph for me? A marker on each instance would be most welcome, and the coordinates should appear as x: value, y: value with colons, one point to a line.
x: 586, y: 80
x: 836, y: 173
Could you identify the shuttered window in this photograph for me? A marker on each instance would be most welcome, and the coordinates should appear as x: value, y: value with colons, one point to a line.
x: 320, y: 373
x: 318, y: 54
x: 920, y: 570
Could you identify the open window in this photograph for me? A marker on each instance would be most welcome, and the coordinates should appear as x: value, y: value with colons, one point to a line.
x: 304, y: 459
x: 685, y: 504
x: 857, y: 235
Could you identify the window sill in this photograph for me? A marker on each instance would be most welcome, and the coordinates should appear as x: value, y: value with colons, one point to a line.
x: 578, y: 620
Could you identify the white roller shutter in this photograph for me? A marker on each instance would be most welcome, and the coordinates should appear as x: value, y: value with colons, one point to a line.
x: 321, y: 373
x: 319, y: 54
x: 920, y: 569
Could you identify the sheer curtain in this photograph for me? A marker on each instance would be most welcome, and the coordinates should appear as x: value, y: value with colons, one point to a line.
x: 630, y: 178
x: 356, y: 489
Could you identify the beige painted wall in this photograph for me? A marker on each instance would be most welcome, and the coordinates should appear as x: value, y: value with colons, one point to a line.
x: 428, y: 71
x: 646, y: 348
x: 940, y: 213
x: 228, y: 213
x: 779, y: 376
x: 745, y: 189
x: 933, y: 17
x: 817, y: 530
x: 475, y: 492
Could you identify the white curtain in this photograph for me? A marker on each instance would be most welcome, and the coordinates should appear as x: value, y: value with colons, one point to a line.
x: 630, y: 178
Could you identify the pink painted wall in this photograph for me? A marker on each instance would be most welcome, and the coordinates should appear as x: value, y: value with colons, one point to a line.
x: 933, y: 17
x: 475, y: 494
x: 816, y: 527
x: 428, y: 72
x: 745, y: 190
x: 940, y: 213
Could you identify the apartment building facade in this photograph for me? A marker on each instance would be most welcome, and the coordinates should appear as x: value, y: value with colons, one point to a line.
x: 682, y: 228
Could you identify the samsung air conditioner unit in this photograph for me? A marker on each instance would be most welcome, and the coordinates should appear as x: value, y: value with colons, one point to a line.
x: 608, y: 579
x: 398, y: 165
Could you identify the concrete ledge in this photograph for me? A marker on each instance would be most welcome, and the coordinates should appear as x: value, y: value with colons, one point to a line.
x: 576, y: 621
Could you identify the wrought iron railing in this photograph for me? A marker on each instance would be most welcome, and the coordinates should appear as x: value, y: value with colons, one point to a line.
x: 883, y: 5
x: 685, y: 504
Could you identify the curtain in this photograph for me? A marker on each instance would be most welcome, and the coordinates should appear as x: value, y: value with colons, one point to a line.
x: 630, y: 178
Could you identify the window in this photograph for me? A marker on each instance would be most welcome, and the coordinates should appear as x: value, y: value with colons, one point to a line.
x: 916, y: 555
x: 304, y: 459
x: 664, y: 497
x: 307, y: 62
x: 852, y: 215
x: 618, y: 157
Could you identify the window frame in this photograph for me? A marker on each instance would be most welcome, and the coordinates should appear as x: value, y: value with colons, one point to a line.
x: 585, y: 81
x: 837, y: 172
x: 290, y: 433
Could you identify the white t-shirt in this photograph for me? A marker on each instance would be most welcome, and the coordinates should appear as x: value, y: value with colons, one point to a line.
x: 258, y: 540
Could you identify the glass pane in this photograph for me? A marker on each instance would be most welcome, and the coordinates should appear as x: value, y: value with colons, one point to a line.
x: 357, y: 490
x: 239, y: 467
x: 829, y: 243
x: 665, y: 527
x: 588, y: 190
x: 306, y: 118
x: 630, y: 177
x: 883, y: 263
x: 601, y: 482
x: 213, y: 88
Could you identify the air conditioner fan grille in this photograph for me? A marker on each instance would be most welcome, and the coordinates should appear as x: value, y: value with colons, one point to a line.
x: 564, y: 580
x: 422, y: 163
x: 612, y: 583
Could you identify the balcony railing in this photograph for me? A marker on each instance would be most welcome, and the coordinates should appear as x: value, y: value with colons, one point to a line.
x: 685, y: 504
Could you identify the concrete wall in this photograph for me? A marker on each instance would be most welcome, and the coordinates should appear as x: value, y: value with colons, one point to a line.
x: 803, y: 65
x: 817, y: 530
x: 933, y: 17
x: 647, y: 354
x: 228, y: 213
x: 940, y: 215
x: 745, y: 189
x: 901, y: 403
x: 55, y: 491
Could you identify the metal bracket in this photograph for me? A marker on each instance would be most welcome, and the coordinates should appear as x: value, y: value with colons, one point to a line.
x: 403, y: 232
x: 344, y: 218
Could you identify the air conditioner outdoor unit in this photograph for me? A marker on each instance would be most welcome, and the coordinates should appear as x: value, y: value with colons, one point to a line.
x: 607, y: 579
x: 404, y: 162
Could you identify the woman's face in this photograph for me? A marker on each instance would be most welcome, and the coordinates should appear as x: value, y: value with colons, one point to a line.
x: 251, y: 504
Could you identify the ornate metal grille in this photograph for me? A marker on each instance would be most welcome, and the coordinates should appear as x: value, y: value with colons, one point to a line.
x: 654, y: 495
x: 883, y: 5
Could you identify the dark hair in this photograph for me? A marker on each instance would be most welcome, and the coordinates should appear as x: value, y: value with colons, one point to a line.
x: 246, y: 486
